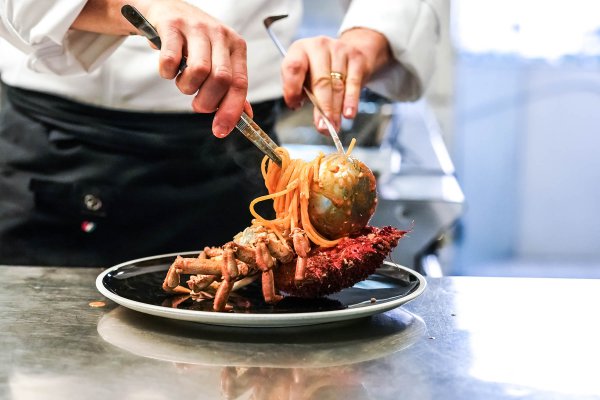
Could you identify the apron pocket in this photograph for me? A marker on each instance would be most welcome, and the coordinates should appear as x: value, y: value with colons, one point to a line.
x: 72, y: 200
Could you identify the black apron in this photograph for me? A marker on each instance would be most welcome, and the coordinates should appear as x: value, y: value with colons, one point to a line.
x: 88, y: 186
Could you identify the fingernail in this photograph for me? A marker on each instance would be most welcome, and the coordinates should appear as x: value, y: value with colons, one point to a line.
x: 348, y: 112
x: 322, y: 124
x: 220, y: 131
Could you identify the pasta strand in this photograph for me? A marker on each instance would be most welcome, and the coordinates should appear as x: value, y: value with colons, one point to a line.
x: 289, y: 188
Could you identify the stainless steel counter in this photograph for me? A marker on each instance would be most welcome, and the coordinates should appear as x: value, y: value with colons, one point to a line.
x: 464, y: 338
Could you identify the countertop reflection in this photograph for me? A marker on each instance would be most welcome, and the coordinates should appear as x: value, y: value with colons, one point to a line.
x: 464, y: 338
x: 312, y: 362
x: 317, y: 346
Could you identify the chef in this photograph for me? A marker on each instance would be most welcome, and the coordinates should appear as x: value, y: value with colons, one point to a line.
x: 108, y: 152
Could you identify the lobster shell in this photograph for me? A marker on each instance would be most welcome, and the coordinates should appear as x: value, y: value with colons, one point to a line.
x: 332, y: 269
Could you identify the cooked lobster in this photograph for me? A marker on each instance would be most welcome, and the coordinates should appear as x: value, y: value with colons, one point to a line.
x: 318, y: 244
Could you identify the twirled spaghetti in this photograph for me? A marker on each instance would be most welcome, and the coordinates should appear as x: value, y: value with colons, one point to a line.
x: 289, y: 187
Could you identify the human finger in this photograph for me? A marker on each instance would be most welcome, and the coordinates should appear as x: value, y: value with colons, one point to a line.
x: 339, y: 61
x: 234, y: 101
x: 171, y: 53
x: 248, y: 109
x: 320, y: 79
x: 294, y: 70
x: 217, y: 83
x: 199, y: 64
x: 356, y: 70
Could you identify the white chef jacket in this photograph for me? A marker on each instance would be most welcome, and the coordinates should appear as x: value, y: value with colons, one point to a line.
x: 42, y: 53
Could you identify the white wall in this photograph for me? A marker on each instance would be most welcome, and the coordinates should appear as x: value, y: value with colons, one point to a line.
x: 559, y: 199
x: 528, y: 158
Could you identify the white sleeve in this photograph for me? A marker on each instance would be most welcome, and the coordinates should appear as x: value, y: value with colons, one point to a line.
x: 41, y: 29
x: 412, y: 28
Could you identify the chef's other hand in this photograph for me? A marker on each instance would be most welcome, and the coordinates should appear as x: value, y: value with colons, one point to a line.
x: 216, y: 72
x: 335, y: 70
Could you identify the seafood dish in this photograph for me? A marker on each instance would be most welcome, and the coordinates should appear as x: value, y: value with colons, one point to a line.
x: 318, y: 243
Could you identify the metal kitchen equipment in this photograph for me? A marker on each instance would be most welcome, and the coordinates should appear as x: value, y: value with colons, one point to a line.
x: 420, y: 190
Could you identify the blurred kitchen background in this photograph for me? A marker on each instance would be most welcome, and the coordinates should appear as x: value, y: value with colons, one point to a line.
x: 497, y: 170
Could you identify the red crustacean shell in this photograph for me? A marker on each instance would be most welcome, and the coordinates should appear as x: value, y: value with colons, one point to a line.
x: 332, y: 269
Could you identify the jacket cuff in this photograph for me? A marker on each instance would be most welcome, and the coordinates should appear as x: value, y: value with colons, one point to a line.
x: 412, y: 29
x: 42, y: 31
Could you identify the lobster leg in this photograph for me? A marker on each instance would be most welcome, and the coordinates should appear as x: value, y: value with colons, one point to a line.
x: 171, y: 282
x: 265, y: 262
x: 203, y: 266
x: 280, y: 250
x: 222, y: 295
x: 268, y: 288
x: 302, y: 248
x: 229, y: 271
x: 200, y: 282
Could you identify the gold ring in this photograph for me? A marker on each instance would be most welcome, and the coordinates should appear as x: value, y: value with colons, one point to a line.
x: 338, y: 75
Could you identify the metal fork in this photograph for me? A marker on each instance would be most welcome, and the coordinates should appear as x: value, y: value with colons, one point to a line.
x: 245, y: 125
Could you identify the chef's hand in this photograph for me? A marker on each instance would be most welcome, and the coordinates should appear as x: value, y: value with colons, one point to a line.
x: 216, y: 72
x: 335, y: 70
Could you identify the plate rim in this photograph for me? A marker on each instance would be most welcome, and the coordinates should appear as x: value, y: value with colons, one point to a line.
x: 256, y: 320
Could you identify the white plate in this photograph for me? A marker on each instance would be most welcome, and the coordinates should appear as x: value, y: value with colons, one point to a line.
x: 136, y: 285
